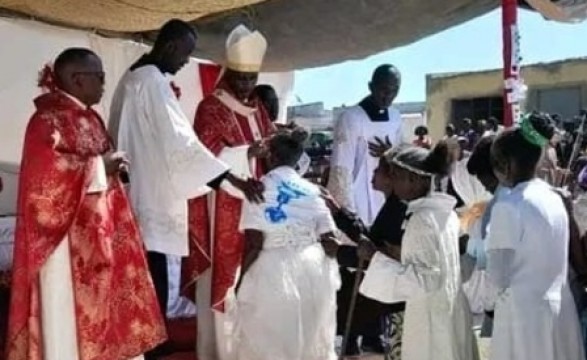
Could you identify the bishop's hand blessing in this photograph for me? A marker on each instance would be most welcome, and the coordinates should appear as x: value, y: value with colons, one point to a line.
x: 258, y: 150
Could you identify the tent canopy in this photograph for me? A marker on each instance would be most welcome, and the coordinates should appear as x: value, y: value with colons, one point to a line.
x: 301, y: 33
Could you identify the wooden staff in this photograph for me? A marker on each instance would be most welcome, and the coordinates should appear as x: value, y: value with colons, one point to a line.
x: 349, y: 319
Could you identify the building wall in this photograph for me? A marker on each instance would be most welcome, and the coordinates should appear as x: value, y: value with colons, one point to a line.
x: 442, y: 89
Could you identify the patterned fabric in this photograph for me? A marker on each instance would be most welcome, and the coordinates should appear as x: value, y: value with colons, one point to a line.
x: 394, y: 326
x: 219, y: 127
x: 117, y: 313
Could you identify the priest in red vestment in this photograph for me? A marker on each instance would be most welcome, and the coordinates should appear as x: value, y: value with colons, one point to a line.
x: 80, y: 288
x: 232, y: 125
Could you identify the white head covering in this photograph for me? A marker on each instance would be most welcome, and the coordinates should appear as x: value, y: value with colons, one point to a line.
x: 245, y: 50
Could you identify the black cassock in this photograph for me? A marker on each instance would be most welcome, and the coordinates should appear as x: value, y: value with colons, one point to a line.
x: 369, y: 315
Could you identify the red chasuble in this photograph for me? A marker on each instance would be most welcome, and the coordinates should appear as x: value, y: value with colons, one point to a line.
x: 117, y: 315
x: 219, y: 127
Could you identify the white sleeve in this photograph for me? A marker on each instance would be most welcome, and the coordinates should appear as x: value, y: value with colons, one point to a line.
x: 237, y: 158
x: 342, y: 162
x: 324, y: 220
x: 388, y: 281
x: 399, y: 135
x: 505, y: 231
x: 252, y: 217
x: 189, y: 163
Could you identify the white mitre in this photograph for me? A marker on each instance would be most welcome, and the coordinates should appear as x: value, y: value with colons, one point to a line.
x: 245, y: 50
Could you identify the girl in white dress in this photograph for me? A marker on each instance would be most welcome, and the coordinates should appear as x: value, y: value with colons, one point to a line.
x: 528, y: 254
x: 287, y: 293
x: 425, y: 272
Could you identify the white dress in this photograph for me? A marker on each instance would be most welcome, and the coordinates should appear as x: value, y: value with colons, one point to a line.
x: 287, y: 299
x: 527, y: 259
x: 437, y: 323
x: 351, y: 165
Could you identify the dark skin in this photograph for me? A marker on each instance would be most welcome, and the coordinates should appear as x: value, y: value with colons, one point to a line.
x: 511, y: 174
x: 85, y: 81
x: 241, y: 84
x: 384, y: 90
x: 271, y: 103
x: 406, y: 186
x: 254, y: 239
x: 382, y: 181
x: 171, y: 57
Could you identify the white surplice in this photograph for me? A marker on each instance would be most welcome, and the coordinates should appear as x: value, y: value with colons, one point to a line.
x: 438, y: 324
x: 527, y: 259
x: 287, y: 299
x: 168, y: 164
x: 351, y: 166
x: 467, y: 186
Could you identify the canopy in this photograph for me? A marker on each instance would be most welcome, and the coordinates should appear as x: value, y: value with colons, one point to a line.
x: 301, y: 33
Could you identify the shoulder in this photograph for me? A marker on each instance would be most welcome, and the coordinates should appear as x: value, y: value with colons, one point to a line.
x: 353, y: 113
x: 211, y: 103
x: 394, y: 113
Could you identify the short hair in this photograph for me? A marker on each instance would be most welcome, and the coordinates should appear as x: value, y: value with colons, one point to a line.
x: 172, y: 30
x: 479, y: 162
x: 421, y: 130
x: 263, y: 91
x: 287, y: 146
x: 77, y: 56
x: 383, y: 72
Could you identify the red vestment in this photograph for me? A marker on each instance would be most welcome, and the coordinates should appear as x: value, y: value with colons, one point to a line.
x: 117, y: 314
x: 219, y: 127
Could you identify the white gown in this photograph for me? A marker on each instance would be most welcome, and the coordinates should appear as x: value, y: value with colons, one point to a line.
x: 437, y: 324
x: 351, y: 165
x: 527, y: 259
x: 287, y: 299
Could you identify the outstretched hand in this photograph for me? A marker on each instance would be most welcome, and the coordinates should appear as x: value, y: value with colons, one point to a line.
x: 258, y: 150
x: 252, y: 189
x: 379, y: 146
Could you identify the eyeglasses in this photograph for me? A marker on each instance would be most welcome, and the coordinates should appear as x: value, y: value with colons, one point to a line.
x: 99, y: 74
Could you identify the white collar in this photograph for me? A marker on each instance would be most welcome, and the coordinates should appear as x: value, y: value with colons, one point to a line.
x: 75, y: 100
x: 230, y: 101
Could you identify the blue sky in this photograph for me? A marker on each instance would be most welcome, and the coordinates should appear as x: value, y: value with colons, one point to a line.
x: 475, y: 45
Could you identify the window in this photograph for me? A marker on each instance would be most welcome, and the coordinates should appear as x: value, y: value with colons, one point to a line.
x: 565, y: 101
x: 477, y: 109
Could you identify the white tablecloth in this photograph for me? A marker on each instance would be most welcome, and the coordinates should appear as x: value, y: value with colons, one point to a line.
x: 7, y: 226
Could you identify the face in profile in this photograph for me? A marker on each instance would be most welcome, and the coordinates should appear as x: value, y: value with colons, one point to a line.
x: 178, y: 52
x: 89, y: 81
x: 382, y: 177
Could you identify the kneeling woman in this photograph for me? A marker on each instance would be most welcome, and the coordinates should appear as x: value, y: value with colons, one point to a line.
x: 287, y: 293
x: 426, y: 272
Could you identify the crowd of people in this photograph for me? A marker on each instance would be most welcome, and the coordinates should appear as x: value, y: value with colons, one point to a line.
x: 272, y: 259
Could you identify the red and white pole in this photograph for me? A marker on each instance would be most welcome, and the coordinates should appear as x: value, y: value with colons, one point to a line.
x: 511, y: 62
